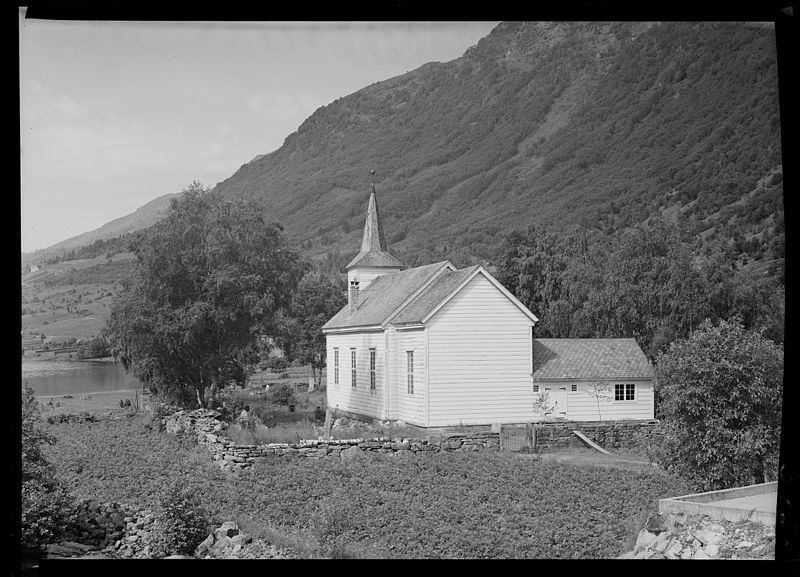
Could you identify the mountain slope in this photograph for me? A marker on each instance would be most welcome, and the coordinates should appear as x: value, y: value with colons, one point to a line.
x: 559, y: 124
x: 604, y: 124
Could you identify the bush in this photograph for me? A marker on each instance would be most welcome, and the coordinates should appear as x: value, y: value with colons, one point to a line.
x: 277, y: 364
x: 179, y: 521
x: 283, y: 394
x: 721, y: 393
x: 46, y: 505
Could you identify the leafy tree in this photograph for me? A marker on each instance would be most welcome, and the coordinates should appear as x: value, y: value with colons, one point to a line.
x: 46, y: 505
x: 209, y: 282
x: 317, y: 299
x: 721, y: 396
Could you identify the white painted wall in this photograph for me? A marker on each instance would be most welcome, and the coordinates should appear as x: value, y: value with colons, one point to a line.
x: 583, y: 406
x: 479, y: 362
x: 343, y: 395
x: 410, y: 407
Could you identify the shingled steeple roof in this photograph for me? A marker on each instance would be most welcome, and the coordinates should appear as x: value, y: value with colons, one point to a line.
x: 373, y: 242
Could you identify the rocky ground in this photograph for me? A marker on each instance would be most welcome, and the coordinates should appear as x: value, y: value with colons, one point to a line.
x: 683, y: 536
x: 225, y: 542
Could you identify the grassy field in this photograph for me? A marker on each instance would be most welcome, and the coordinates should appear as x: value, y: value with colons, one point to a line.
x: 71, y: 298
x: 455, y: 505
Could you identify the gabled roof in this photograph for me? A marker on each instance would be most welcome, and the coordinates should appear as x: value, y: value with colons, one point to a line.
x: 384, y: 295
x: 589, y: 359
x: 434, y: 293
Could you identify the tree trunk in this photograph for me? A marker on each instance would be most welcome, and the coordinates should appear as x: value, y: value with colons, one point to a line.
x: 200, y: 397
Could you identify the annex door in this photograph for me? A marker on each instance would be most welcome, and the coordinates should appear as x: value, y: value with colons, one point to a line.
x: 558, y: 398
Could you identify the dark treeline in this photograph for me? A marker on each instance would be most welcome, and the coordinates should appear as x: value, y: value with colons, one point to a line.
x: 655, y: 282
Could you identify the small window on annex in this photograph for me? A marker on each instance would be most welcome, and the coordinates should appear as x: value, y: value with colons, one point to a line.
x: 625, y: 392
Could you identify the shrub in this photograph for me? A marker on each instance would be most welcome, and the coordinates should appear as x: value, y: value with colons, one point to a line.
x: 721, y: 403
x: 277, y: 364
x: 283, y: 394
x: 46, y: 505
x: 179, y: 521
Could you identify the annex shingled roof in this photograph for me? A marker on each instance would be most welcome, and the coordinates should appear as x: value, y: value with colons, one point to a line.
x: 383, y: 295
x: 589, y: 359
x: 435, y: 293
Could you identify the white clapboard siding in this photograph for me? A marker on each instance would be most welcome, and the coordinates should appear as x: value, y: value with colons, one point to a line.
x: 582, y: 405
x: 410, y: 407
x: 344, y: 396
x: 479, y: 365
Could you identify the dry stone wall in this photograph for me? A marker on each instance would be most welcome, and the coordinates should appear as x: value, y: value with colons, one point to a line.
x: 209, y: 430
x: 611, y: 435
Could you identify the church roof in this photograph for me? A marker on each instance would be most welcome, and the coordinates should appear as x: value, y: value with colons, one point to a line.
x: 432, y: 295
x: 374, y: 251
x: 589, y: 359
x: 383, y: 296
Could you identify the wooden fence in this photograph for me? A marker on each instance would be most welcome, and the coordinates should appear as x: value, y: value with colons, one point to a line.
x: 520, y: 438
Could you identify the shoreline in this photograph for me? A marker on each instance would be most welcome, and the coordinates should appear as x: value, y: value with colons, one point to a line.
x: 115, y: 391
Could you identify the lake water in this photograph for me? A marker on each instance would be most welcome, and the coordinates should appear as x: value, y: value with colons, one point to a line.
x: 51, y: 377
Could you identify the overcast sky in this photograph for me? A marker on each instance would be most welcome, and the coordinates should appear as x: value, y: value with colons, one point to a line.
x: 115, y: 114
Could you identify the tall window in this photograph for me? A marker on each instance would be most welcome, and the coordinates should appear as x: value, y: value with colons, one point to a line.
x: 626, y: 392
x: 410, y: 369
x: 352, y: 368
x: 335, y: 366
x: 372, y: 369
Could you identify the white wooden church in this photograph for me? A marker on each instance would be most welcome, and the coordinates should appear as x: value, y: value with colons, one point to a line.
x: 438, y: 346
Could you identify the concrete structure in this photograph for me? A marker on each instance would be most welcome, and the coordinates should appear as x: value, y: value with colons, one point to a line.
x: 756, y: 503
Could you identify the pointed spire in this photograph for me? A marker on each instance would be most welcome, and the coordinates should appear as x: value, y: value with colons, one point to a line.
x: 374, y: 251
x: 373, y: 238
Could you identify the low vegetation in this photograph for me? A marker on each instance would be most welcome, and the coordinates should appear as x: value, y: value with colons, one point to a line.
x: 446, y: 505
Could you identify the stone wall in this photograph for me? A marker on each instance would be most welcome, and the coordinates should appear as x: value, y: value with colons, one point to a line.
x: 209, y: 430
x: 611, y: 435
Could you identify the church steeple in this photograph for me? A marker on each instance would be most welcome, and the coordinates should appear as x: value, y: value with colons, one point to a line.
x: 374, y: 258
x: 373, y: 238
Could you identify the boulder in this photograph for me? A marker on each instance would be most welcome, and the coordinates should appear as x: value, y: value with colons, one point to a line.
x: 205, y: 545
x: 352, y: 453
x: 626, y: 555
x: 700, y: 554
x: 656, y: 523
x: 711, y: 535
x: 644, y: 540
x: 227, y: 529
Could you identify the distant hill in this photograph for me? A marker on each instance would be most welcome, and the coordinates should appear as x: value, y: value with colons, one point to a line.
x: 564, y: 124
x: 143, y: 217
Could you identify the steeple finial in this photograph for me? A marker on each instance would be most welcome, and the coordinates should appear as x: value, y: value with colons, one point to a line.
x: 372, y: 172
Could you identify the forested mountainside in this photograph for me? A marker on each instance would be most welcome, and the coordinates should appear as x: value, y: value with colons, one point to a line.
x: 594, y: 125
x: 600, y: 125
